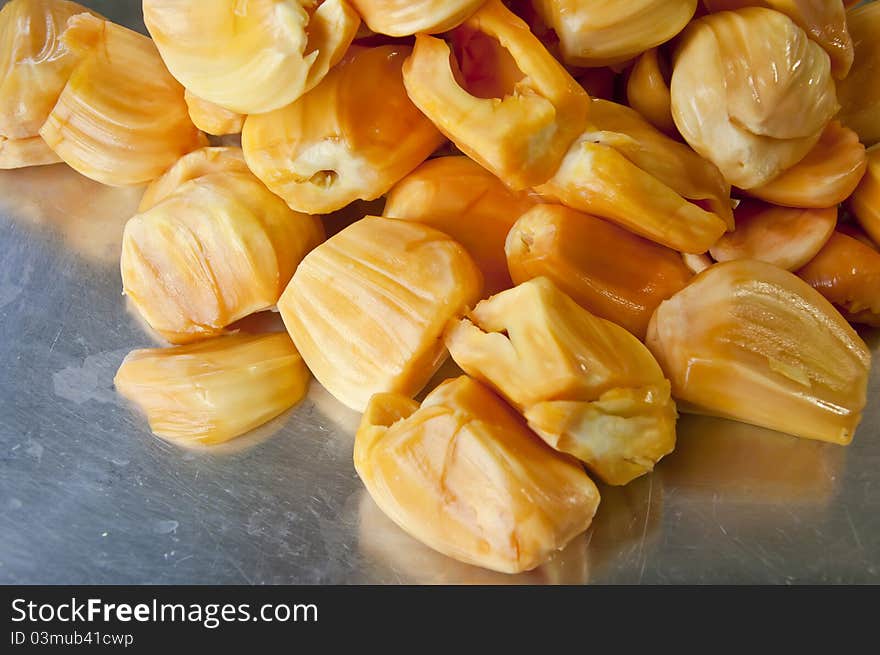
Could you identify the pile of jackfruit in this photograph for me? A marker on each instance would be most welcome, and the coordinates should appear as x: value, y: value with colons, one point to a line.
x: 605, y: 212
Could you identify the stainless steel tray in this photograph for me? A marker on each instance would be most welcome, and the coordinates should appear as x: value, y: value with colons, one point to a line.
x: 87, y: 495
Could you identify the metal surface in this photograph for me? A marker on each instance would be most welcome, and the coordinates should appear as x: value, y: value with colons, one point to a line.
x: 87, y: 495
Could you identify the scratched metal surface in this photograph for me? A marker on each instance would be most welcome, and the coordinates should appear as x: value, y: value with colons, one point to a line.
x: 87, y: 495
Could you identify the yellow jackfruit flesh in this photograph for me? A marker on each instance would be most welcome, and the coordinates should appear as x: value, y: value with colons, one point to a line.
x: 34, y: 67
x: 464, y: 475
x: 823, y: 20
x: 859, y: 93
x: 216, y: 390
x: 498, y: 95
x: 251, y: 57
x: 603, y: 32
x: 212, y: 118
x: 625, y: 170
x: 121, y: 118
x: 585, y: 385
x: 464, y: 200
x: 751, y: 342
x: 351, y: 137
x: 609, y: 271
x: 407, y: 17
x: 647, y: 91
x: 847, y: 272
x: 865, y: 201
x: 783, y: 236
x: 218, y: 248
x: 367, y: 308
x: 751, y: 93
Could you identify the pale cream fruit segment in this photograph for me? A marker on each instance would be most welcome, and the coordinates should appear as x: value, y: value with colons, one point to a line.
x: 865, y: 200
x: 751, y: 93
x: 625, y: 170
x: 407, y: 17
x: 825, y: 177
x: 352, y: 137
x: 749, y: 341
x: 34, y: 67
x: 847, y: 272
x: 602, y: 32
x: 464, y: 200
x: 191, y: 166
x: 216, y: 390
x: 31, y: 151
x: 587, y: 386
x: 368, y: 307
x: 465, y: 476
x: 605, y: 269
x: 251, y: 57
x: 648, y: 91
x: 498, y: 95
x: 783, y: 236
x: 217, y: 249
x: 823, y: 20
x: 212, y: 118
x: 860, y: 92
x: 121, y: 118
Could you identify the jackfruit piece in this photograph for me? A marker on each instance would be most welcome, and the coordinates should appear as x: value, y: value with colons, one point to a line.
x: 464, y: 200
x: 625, y: 170
x: 407, y: 17
x: 216, y: 390
x: 351, y: 137
x: 751, y: 93
x: 603, y: 32
x: 783, y: 236
x: 498, y: 95
x: 218, y: 248
x: 749, y: 341
x: 585, y: 385
x: 609, y: 271
x: 368, y: 307
x: 121, y: 118
x: 465, y: 476
x: 847, y: 272
x: 251, y: 57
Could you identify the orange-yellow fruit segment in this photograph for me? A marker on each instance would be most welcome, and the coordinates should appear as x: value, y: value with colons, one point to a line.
x: 406, y: 17
x: 464, y: 200
x: 865, y: 200
x: 216, y: 390
x: 34, y: 67
x: 751, y: 92
x: 217, y: 249
x: 611, y: 272
x: 783, y: 236
x: 498, y: 95
x: 30, y: 151
x: 750, y: 341
x: 191, y: 166
x: 351, y: 137
x: 823, y: 20
x: 368, y: 307
x: 847, y: 272
x: 859, y: 93
x: 121, y: 118
x: 625, y: 170
x: 587, y: 386
x: 825, y: 177
x: 648, y: 91
x: 602, y: 32
x: 465, y: 476
x: 254, y: 56
x: 212, y: 118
